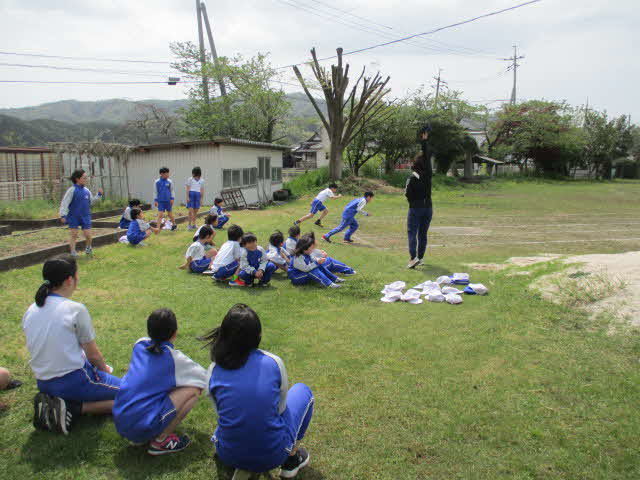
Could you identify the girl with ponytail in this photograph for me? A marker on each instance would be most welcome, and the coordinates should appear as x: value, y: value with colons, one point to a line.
x: 160, y: 388
x: 73, y: 377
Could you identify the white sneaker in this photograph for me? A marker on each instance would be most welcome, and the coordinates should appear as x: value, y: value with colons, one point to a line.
x: 420, y: 262
x: 74, y: 254
x: 334, y: 285
x: 340, y: 280
x: 413, y: 263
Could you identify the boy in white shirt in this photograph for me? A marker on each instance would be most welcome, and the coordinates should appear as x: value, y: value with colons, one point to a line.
x: 198, y: 258
x: 318, y: 205
x: 226, y: 262
x: 195, y: 194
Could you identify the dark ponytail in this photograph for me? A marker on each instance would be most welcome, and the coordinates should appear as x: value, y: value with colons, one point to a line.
x: 161, y: 326
x: 304, y: 244
x: 55, y: 271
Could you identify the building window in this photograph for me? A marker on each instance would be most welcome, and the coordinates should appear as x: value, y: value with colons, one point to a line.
x: 226, y: 178
x: 276, y: 174
x: 236, y: 177
x: 253, y: 177
x: 240, y: 177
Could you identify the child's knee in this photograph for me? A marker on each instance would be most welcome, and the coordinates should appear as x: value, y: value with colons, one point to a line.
x: 5, y: 377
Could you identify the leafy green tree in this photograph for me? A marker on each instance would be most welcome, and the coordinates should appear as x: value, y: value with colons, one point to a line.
x: 606, y: 140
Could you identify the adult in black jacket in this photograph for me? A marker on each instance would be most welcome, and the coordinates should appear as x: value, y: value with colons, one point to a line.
x: 418, y: 193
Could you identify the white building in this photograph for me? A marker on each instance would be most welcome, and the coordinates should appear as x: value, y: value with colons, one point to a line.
x: 254, y: 167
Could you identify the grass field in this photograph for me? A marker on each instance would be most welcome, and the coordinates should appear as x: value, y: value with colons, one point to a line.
x: 34, y: 209
x: 507, y: 386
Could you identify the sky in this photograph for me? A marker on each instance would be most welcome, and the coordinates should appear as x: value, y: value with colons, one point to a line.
x: 574, y: 49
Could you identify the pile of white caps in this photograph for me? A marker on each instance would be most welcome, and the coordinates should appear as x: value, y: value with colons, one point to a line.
x: 438, y: 291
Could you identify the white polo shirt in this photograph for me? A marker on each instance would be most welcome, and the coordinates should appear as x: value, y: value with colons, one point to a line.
x: 195, y: 251
x: 195, y: 185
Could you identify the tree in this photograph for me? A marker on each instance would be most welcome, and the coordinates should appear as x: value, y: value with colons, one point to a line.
x: 345, y: 118
x: 153, y: 122
x: 605, y: 141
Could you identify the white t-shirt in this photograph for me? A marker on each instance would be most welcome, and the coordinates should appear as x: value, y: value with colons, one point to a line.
x: 195, y: 185
x: 324, y: 194
x: 54, y: 334
x: 229, y: 251
x: 195, y: 251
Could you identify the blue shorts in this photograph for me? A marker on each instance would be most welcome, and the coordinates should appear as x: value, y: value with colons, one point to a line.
x: 226, y: 271
x: 87, y: 384
x: 137, y: 238
x: 199, y: 266
x: 124, y: 223
x: 317, y: 206
x: 194, y: 200
x: 79, y: 222
x: 145, y: 422
x: 165, y: 206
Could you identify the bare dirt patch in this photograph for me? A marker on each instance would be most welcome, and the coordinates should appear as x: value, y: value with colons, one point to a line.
x: 515, y: 262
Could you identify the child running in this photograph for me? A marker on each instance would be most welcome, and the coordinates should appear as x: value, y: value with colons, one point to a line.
x: 276, y: 253
x: 226, y: 262
x: 349, y: 217
x: 164, y: 197
x: 160, y: 388
x: 292, y: 241
x: 304, y: 269
x: 334, y: 266
x: 254, y: 264
x: 75, y: 210
x: 138, y: 229
x: 223, y: 217
x: 261, y: 421
x: 318, y: 205
x: 195, y: 194
x: 198, y: 258
x: 125, y: 220
x: 209, y: 221
x: 73, y: 377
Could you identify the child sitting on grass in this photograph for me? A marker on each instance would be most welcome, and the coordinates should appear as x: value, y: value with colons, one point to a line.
x: 334, y: 266
x: 139, y: 229
x: 160, y: 388
x: 261, y: 421
x: 254, y: 264
x: 226, y: 262
x: 292, y: 241
x: 125, y: 220
x: 223, y: 218
x: 276, y: 252
x: 212, y: 222
x: 198, y: 259
x: 304, y: 269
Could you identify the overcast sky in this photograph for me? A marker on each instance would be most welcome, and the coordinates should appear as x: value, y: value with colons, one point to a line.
x: 573, y: 49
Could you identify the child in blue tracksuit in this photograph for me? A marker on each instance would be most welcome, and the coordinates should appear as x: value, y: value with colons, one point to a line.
x: 164, y: 197
x: 139, y: 229
x: 254, y: 264
x: 261, y: 421
x: 125, y: 220
x: 276, y: 252
x: 160, y: 388
x: 291, y: 242
x: 218, y: 205
x: 198, y: 258
x: 304, y: 269
x: 334, y: 266
x: 226, y: 262
x: 75, y: 210
x: 349, y: 217
x: 195, y: 194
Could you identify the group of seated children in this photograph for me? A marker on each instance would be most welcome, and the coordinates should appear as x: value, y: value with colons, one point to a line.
x: 260, y: 419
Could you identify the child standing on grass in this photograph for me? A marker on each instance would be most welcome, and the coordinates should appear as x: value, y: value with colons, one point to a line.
x: 73, y: 377
x: 125, y: 220
x: 261, y: 421
x: 164, y: 197
x: 304, y: 269
x: 223, y: 217
x: 160, y: 388
x: 254, y: 264
x: 195, y: 194
x: 226, y: 262
x: 138, y: 229
x: 209, y: 221
x: 75, y: 210
x: 349, y: 217
x: 292, y: 241
x: 276, y: 252
x: 318, y: 205
x: 198, y: 259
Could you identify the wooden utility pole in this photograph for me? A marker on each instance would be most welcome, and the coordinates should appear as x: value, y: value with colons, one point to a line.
x: 439, y: 82
x: 514, y: 66
x: 214, y: 54
x: 203, y: 58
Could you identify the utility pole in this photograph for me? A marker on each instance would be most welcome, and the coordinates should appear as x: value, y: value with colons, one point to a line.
x: 439, y: 82
x: 514, y: 66
x: 214, y: 54
x: 586, y: 113
x: 203, y: 58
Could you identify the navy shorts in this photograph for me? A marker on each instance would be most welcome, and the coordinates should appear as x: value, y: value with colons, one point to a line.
x: 87, y: 384
x: 146, y: 422
x: 165, y: 206
x: 199, y: 266
x: 79, y: 222
x: 137, y: 238
x: 317, y: 206
x: 194, y: 200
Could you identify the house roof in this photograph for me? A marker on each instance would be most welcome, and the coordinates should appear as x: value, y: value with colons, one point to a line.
x: 25, y: 150
x: 483, y: 159
x: 213, y: 141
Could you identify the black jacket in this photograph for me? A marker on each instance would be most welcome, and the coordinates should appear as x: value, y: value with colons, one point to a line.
x: 418, y: 189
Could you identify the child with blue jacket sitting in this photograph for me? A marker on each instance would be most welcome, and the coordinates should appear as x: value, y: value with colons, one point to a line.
x: 139, y: 229
x: 254, y: 264
x: 125, y: 220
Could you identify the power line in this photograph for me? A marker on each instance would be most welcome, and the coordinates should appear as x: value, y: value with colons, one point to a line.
x: 83, y: 69
x: 97, y: 59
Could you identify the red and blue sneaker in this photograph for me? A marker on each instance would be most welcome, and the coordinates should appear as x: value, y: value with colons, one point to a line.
x: 170, y: 444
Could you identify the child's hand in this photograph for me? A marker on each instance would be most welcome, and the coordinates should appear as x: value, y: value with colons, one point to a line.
x: 320, y: 261
x: 155, y: 204
x: 101, y: 191
x: 170, y: 203
x: 63, y: 220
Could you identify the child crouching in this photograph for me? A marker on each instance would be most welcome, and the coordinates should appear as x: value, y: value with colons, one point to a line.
x: 226, y: 262
x: 304, y: 269
x: 139, y: 229
x: 125, y: 220
x: 198, y: 259
x: 254, y: 264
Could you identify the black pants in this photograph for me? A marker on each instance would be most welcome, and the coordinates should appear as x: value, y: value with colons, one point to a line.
x: 418, y: 221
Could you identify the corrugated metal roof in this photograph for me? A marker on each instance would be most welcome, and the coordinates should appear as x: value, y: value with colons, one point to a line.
x: 489, y: 160
x: 25, y: 150
x: 214, y: 140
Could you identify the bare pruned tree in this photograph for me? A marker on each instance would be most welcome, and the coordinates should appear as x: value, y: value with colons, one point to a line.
x: 346, y: 117
x: 153, y: 121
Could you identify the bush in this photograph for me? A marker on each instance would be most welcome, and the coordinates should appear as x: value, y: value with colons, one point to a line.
x: 308, y: 182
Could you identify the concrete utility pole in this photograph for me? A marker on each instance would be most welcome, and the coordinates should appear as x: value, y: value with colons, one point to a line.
x: 439, y: 82
x: 214, y: 54
x: 514, y: 66
x: 203, y: 58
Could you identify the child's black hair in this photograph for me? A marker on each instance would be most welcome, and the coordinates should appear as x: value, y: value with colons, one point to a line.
x: 135, y: 213
x: 205, y: 231
x: 55, y: 271
x: 196, y: 172
x: 161, y: 326
x: 210, y: 219
x: 217, y: 201
x: 238, y: 335
x: 368, y: 194
x: 248, y: 238
x: 164, y: 170
x: 76, y: 175
x: 276, y: 239
x: 294, y: 231
x: 304, y: 244
x: 333, y: 185
x: 235, y: 233
x: 134, y: 202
